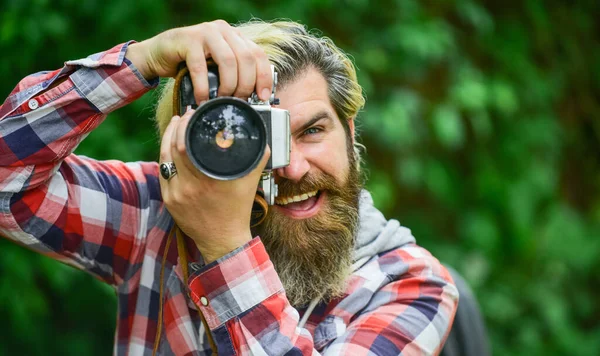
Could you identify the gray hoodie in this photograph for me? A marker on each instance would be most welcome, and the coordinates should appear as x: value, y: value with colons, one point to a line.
x: 376, y: 234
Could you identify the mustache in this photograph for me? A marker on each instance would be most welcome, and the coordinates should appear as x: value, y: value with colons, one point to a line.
x: 308, y: 183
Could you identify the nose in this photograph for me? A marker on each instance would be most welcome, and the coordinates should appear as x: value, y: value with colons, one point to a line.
x: 297, y: 168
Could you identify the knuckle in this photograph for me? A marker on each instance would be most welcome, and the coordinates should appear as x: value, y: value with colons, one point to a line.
x: 211, y: 28
x: 221, y: 23
x: 187, y: 191
x: 247, y: 56
x: 176, y: 197
x: 181, y: 148
x: 260, y: 55
x: 188, y: 35
x: 201, y: 30
x: 257, y: 51
x: 229, y: 60
x: 264, y: 76
x: 197, y: 68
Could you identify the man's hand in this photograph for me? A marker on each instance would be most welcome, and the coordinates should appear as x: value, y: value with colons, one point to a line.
x: 243, y: 65
x: 215, y: 214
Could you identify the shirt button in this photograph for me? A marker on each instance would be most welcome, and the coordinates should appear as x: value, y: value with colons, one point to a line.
x: 33, y: 104
x: 204, y: 301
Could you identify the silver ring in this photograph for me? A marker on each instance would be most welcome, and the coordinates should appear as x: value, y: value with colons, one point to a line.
x: 168, y: 170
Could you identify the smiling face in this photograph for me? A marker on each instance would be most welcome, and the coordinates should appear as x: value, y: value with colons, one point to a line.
x: 319, y: 143
x: 309, y: 233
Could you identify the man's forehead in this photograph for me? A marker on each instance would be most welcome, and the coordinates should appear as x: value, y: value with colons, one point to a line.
x: 310, y: 112
x: 306, y: 98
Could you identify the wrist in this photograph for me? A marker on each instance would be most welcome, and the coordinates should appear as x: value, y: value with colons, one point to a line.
x: 137, y: 53
x: 217, y: 248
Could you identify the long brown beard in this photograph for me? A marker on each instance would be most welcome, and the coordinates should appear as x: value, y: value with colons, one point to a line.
x: 313, y: 256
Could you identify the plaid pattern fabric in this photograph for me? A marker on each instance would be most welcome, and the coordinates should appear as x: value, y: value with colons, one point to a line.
x: 107, y: 218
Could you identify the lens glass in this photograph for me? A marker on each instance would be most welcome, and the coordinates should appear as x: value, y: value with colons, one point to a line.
x: 226, y: 138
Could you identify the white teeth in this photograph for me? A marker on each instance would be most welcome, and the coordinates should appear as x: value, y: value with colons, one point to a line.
x: 295, y: 198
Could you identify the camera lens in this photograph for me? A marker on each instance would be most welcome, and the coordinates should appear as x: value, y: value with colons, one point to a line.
x: 225, y: 138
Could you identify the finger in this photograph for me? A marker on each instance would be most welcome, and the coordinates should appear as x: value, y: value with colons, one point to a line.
x: 246, y: 64
x: 223, y: 55
x: 196, y: 63
x: 165, y: 155
x: 165, y: 145
x: 265, y: 159
x: 178, y: 152
x: 264, y: 76
x: 181, y: 144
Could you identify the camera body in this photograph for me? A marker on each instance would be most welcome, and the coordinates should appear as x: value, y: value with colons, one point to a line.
x: 227, y: 137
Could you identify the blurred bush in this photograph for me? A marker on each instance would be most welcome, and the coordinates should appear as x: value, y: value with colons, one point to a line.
x: 482, y: 133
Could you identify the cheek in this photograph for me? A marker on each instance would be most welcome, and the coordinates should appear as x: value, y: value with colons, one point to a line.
x: 329, y: 156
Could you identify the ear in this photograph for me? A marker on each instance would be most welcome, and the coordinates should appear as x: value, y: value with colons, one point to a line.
x: 351, y: 126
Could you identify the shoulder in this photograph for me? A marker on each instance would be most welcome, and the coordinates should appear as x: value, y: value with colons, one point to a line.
x: 407, y: 261
x: 411, y: 260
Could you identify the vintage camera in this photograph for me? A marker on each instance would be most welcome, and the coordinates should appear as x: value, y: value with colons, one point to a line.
x: 227, y: 137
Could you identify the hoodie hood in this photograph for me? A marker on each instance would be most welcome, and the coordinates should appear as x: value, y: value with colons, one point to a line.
x: 376, y: 234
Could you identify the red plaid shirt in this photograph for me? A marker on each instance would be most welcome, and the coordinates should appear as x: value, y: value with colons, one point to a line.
x: 107, y: 218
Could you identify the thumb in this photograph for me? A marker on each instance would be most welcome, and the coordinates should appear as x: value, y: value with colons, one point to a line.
x: 265, y: 159
x: 257, y: 171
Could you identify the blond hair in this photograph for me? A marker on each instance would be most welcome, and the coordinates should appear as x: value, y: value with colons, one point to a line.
x: 292, y: 50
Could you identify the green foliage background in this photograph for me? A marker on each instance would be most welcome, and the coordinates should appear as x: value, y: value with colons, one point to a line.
x: 482, y: 133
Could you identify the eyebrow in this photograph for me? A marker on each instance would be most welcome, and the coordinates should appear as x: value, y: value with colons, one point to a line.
x: 316, y: 117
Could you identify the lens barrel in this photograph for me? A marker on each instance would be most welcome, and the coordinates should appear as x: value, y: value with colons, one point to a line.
x: 226, y: 138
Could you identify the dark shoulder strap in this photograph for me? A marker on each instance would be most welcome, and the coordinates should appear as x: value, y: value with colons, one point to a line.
x: 468, y: 336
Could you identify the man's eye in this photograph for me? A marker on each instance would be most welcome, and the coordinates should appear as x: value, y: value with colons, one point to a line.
x: 312, y: 131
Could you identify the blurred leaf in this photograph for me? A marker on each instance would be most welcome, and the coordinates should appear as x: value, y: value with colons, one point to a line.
x: 481, y: 123
x: 480, y: 231
x: 382, y: 190
x: 503, y: 97
x: 564, y: 237
x: 440, y: 181
x: 448, y: 127
x: 397, y: 125
x: 469, y: 91
x: 475, y: 15
x: 410, y: 171
x: 427, y: 40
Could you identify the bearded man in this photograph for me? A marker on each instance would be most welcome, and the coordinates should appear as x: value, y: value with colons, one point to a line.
x: 324, y: 273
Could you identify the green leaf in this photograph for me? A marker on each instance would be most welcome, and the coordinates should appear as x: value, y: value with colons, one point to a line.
x: 448, y: 127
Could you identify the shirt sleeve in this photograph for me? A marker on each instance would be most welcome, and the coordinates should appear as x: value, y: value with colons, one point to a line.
x: 245, y: 306
x: 60, y: 204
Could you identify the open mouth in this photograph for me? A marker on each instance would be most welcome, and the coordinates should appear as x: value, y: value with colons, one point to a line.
x: 300, y: 206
